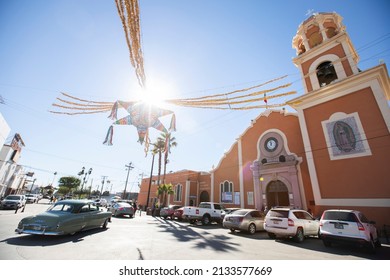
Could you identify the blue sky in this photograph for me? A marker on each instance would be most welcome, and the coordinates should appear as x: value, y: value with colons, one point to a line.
x: 191, y: 48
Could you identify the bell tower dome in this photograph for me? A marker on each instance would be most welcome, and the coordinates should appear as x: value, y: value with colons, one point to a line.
x: 325, y: 53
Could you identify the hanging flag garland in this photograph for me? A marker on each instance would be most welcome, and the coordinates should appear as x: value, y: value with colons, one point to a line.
x: 143, y: 115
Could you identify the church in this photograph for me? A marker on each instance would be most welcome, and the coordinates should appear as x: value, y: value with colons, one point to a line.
x: 332, y: 152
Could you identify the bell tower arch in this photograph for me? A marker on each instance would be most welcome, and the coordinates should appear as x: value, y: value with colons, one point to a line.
x: 325, y: 53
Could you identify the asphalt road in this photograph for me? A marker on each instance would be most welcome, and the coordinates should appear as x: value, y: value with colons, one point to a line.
x: 151, y: 238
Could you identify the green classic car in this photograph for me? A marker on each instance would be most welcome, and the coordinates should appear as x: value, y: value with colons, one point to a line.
x: 65, y: 217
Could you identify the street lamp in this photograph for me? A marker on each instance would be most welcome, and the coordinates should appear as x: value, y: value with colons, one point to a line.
x: 55, y: 173
x: 85, y: 178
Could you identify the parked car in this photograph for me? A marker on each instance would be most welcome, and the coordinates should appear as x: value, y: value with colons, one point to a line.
x: 121, y: 209
x: 65, y: 217
x: 14, y: 201
x: 31, y: 198
x: 178, y: 214
x: 101, y: 202
x: 250, y: 220
x: 348, y: 226
x: 290, y: 222
x: 167, y: 212
x: 228, y: 211
x: 207, y: 212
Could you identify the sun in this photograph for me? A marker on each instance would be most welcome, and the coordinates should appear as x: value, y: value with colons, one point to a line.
x: 156, y: 93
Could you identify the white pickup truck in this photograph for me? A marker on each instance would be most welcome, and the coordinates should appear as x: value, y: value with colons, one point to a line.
x: 207, y: 212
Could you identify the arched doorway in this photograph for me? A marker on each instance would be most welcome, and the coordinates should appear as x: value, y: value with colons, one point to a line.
x: 277, y: 194
x: 204, y: 196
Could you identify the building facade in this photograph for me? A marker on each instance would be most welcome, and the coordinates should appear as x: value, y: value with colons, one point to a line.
x: 333, y: 152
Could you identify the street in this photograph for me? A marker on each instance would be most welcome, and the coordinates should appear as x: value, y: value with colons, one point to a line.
x: 152, y: 238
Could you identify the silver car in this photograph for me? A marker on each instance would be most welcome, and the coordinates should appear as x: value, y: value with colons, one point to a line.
x: 121, y: 209
x: 250, y: 220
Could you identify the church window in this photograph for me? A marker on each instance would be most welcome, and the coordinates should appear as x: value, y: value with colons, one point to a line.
x: 226, y: 192
x: 178, y: 192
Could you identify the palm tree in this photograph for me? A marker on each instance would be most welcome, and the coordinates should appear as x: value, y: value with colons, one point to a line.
x: 163, y: 190
x: 158, y: 148
x: 169, y: 143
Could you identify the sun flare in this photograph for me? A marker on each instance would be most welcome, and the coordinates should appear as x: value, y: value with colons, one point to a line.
x: 157, y: 93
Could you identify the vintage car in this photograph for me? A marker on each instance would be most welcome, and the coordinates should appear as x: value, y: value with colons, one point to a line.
x: 65, y: 217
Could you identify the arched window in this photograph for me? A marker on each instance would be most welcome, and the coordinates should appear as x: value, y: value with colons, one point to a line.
x: 326, y: 73
x: 315, y: 39
x: 178, y: 192
x: 227, y: 192
x: 330, y: 32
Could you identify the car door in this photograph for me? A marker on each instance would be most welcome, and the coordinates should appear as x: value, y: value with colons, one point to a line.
x: 217, y: 212
x: 92, y: 217
x: 258, y: 219
x: 312, y: 225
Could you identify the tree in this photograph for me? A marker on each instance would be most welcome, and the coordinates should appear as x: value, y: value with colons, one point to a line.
x: 163, y: 190
x: 69, y: 183
x: 158, y: 148
x: 169, y: 142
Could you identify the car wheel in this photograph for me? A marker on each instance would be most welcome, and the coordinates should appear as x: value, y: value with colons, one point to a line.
x: 131, y: 216
x: 232, y: 230
x: 327, y: 243
x: 271, y: 235
x: 192, y: 221
x: 299, y: 237
x: 206, y: 220
x: 105, y: 223
x: 252, y: 229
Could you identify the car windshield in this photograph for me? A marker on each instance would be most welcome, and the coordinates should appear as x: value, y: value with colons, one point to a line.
x: 240, y: 212
x: 341, y: 216
x: 123, y: 204
x: 29, y: 195
x: 13, y: 197
x: 61, y: 207
x: 278, y: 213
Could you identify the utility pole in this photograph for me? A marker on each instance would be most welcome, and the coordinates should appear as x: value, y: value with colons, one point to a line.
x: 129, y: 167
x: 150, y: 183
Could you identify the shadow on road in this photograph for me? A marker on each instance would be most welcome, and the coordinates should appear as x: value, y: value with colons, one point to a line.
x: 315, y: 244
x: 184, y: 232
x: 47, y: 240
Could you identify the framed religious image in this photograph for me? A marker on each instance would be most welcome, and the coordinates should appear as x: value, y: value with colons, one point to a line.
x: 345, y: 136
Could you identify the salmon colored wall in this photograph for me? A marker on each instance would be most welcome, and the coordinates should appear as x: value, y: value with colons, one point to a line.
x: 228, y: 169
x: 176, y: 178
x: 362, y: 177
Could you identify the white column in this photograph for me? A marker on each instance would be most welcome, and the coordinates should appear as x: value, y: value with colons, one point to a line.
x: 240, y: 173
x: 187, y: 193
